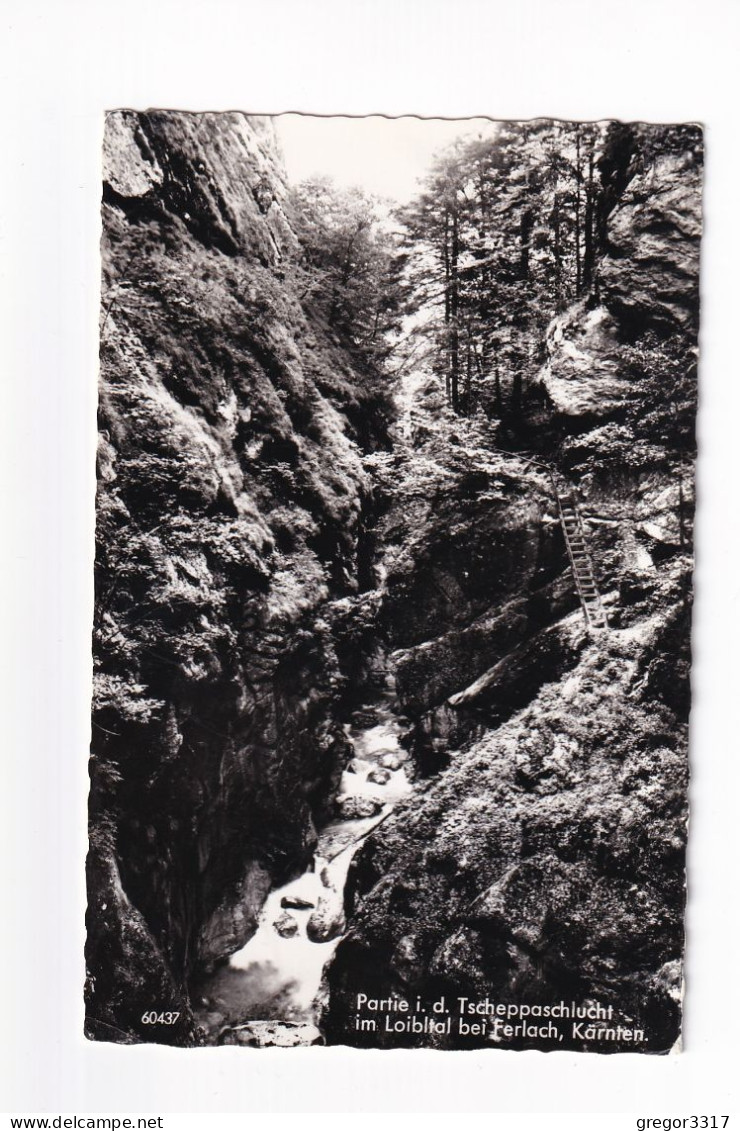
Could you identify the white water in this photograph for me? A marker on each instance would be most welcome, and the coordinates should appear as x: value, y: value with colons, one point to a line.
x: 277, y: 977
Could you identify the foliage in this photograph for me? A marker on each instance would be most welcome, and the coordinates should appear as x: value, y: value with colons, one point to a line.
x: 346, y: 264
x: 507, y: 231
x: 666, y: 373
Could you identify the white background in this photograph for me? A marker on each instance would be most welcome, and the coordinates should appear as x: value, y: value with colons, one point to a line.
x: 63, y: 64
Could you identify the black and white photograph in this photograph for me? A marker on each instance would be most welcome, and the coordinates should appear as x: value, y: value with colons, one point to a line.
x: 370, y: 616
x: 393, y: 582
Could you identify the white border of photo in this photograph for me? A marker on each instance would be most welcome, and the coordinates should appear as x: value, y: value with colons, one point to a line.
x: 661, y: 60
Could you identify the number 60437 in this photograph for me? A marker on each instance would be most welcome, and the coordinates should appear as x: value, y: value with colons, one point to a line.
x: 152, y: 1017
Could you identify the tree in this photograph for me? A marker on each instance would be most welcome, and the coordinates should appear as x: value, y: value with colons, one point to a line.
x: 346, y: 265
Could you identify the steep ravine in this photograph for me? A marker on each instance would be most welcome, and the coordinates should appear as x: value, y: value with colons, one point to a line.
x: 274, y: 557
x: 232, y: 508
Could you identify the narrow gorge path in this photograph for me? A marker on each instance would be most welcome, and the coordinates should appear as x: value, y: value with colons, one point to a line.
x: 270, y: 991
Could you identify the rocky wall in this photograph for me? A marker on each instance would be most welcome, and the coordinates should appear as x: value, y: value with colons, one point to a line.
x: 544, y: 858
x: 230, y: 509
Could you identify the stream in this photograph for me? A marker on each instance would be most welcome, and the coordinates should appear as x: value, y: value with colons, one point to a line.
x: 270, y: 991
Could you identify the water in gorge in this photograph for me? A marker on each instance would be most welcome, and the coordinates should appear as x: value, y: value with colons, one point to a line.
x: 270, y: 991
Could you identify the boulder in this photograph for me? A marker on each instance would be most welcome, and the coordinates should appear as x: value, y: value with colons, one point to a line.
x: 583, y: 375
x: 286, y: 926
x: 327, y: 922
x: 367, y: 717
x: 272, y: 1034
x: 381, y: 776
x: 650, y: 277
x: 296, y: 902
x: 354, y: 808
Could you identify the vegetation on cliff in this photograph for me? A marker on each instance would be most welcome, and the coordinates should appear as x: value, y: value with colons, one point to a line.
x: 232, y: 496
x: 544, y: 857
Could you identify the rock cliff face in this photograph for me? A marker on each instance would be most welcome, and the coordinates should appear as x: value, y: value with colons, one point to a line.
x: 647, y: 278
x: 544, y: 861
x: 474, y: 566
x: 230, y: 507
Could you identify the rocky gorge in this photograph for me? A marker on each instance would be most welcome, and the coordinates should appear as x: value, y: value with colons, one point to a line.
x: 291, y: 541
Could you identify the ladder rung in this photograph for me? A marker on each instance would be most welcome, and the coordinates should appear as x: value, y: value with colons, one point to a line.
x: 580, y: 559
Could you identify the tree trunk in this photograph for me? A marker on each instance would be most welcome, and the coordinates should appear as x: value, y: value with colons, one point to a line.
x: 557, y: 249
x: 588, y: 234
x: 526, y: 223
x: 516, y: 393
x: 447, y: 288
x: 454, y: 315
x: 498, y: 404
x: 478, y: 367
x: 468, y: 373
x: 578, y: 211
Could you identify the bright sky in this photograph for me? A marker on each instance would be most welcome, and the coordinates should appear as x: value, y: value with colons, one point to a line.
x: 385, y: 156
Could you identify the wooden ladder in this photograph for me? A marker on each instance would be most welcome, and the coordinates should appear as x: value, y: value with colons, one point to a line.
x: 580, y: 559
